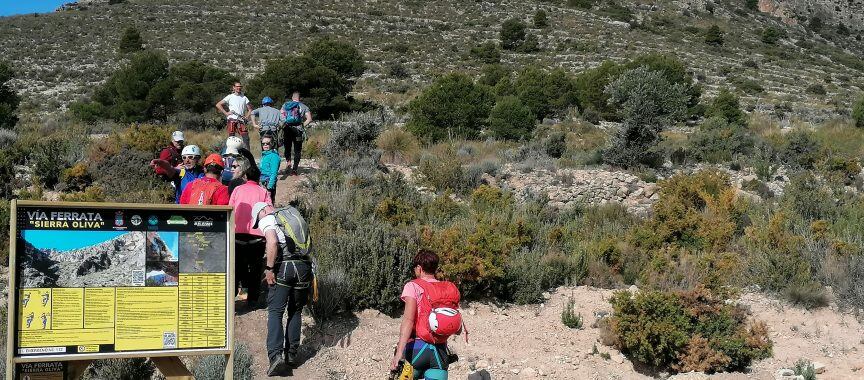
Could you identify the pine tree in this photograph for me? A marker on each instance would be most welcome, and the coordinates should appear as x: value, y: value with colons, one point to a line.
x: 130, y: 41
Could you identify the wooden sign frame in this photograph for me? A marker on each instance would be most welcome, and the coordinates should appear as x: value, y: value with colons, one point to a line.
x: 166, y: 360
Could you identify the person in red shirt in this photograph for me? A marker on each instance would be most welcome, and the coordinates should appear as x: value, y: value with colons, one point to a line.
x: 207, y: 190
x: 171, y: 153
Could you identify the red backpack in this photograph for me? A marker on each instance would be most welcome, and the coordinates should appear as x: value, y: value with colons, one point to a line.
x: 438, y: 314
x: 201, y: 192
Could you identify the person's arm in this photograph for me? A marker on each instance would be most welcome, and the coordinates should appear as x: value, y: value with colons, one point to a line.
x: 169, y: 170
x: 220, y: 106
x: 254, y: 120
x: 164, y: 155
x: 248, y: 109
x: 184, y: 196
x: 270, y: 168
x: 405, y: 330
x: 308, y: 118
x: 270, y: 250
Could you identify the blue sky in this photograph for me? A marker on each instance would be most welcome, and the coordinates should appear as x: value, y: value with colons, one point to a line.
x: 15, y: 7
x: 66, y: 240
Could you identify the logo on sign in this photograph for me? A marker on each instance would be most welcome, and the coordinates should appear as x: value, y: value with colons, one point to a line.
x: 136, y: 220
x: 118, y: 219
x: 153, y: 220
x: 174, y: 219
x: 202, y: 221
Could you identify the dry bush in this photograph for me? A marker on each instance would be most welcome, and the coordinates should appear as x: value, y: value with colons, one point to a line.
x: 399, y: 146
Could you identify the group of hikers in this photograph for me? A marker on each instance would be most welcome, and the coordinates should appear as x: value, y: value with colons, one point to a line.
x: 272, y: 245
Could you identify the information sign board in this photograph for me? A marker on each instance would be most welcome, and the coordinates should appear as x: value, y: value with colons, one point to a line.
x: 93, y: 280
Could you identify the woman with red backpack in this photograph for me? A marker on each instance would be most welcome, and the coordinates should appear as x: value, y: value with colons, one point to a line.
x: 431, y: 316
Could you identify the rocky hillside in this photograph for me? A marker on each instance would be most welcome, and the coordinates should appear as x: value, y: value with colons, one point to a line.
x: 847, y: 12
x: 110, y: 263
x: 61, y: 56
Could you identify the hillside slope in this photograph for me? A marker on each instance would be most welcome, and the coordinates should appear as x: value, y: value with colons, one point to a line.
x: 60, y: 56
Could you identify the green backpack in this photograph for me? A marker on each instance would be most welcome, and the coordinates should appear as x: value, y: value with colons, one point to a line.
x: 294, y: 227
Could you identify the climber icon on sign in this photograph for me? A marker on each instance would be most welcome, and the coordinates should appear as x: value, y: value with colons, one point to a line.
x: 44, y: 321
x: 25, y: 300
x: 45, y: 298
x: 29, y: 319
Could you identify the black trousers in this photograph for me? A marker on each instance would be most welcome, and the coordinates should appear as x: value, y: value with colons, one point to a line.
x: 249, y: 265
x: 293, y: 138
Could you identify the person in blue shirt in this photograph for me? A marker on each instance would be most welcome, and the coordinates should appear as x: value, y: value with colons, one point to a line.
x: 269, y: 165
x: 190, y: 169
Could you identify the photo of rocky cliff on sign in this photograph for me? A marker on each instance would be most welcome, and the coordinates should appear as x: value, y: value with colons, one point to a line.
x: 82, y: 259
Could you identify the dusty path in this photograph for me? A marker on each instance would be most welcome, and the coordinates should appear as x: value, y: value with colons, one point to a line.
x: 517, y: 342
x: 520, y: 342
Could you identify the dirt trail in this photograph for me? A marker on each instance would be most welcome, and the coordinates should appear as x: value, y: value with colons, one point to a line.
x: 522, y: 342
x: 519, y: 342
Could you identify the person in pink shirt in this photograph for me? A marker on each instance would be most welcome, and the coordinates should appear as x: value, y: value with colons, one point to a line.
x: 249, y: 243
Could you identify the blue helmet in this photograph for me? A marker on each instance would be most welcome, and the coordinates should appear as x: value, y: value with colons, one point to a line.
x: 266, y: 100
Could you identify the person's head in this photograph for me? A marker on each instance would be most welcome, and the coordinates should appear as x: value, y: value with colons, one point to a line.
x: 267, y: 143
x: 240, y: 167
x: 267, y: 101
x: 260, y: 210
x: 295, y: 96
x: 213, y: 165
x: 425, y: 262
x: 177, y: 139
x: 191, y: 155
x: 237, y: 88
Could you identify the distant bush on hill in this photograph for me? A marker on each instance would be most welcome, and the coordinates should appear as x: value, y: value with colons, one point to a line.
x: 323, y: 74
x: 453, y: 106
x: 130, y: 41
x: 858, y: 112
x: 647, y: 102
x: 9, y: 100
x: 146, y: 88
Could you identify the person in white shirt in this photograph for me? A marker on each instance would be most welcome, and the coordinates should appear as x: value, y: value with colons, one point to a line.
x: 239, y: 109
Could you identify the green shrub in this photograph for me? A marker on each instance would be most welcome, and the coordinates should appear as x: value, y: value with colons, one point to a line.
x: 646, y: 103
x: 197, y: 86
x: 540, y: 19
x: 591, y: 85
x: 51, y: 155
x: 688, y: 331
x: 727, y: 106
x: 816, y: 89
x: 352, y: 140
x: 332, y: 295
x: 801, y: 149
x: 569, y: 317
x: 772, y: 34
x: 804, y: 368
x: 491, y: 74
x: 9, y: 99
x: 443, y: 173
x: 511, y: 119
x: 555, y: 144
x: 808, y: 198
x: 119, y: 369
x: 675, y: 72
x: 323, y: 89
x: 752, y: 5
x: 512, y: 34
x: 130, y: 41
x: 486, y: 52
x: 714, y: 36
x: 341, y: 57
x: 529, y: 273
x: 808, y: 296
x: 584, y: 4
x: 213, y: 367
x: 717, y: 140
x: 776, y: 256
x: 398, y: 145
x: 545, y: 93
x: 858, y: 112
x: 452, y: 107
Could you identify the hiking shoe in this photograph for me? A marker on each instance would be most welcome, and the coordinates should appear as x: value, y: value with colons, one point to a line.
x: 291, y: 358
x: 276, y: 366
x: 294, y: 172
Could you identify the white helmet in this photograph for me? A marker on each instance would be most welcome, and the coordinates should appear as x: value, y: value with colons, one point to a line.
x: 232, y: 144
x: 191, y: 150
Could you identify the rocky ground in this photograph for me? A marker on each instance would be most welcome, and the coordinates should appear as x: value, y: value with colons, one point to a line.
x: 526, y: 342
